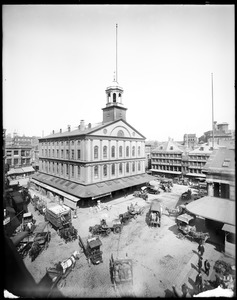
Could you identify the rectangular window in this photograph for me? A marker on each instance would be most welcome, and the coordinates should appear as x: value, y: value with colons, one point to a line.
x: 78, y: 154
x: 72, y: 154
x: 78, y: 172
x: 67, y: 154
x: 61, y: 153
x: 67, y: 169
x: 72, y: 170
x: 62, y: 169
x: 57, y: 153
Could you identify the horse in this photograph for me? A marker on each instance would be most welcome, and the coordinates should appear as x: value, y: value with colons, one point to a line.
x: 67, y: 263
x: 172, y: 211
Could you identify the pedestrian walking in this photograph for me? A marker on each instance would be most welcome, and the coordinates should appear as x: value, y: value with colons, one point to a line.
x: 207, y: 267
x: 199, y: 264
x: 184, y: 290
x: 201, y: 249
x: 198, y: 282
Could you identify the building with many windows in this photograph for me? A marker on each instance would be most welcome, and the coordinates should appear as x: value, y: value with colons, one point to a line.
x: 166, y: 159
x: 92, y: 162
x: 197, y: 159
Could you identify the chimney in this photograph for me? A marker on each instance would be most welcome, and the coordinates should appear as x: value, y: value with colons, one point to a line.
x: 79, y: 127
x: 60, y: 130
x: 89, y: 125
x: 69, y: 127
x: 82, y: 125
x: 53, y: 131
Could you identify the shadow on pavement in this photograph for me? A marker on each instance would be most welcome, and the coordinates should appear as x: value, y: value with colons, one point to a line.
x: 169, y: 294
x: 174, y: 229
x: 194, y: 267
x: 194, y: 289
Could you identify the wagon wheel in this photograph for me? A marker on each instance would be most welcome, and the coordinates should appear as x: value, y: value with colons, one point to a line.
x: 61, y: 283
x: 108, y: 231
x: 180, y: 236
x: 117, y: 230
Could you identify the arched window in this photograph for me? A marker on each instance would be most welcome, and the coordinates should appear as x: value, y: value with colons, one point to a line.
x: 105, y: 170
x: 96, y: 172
x: 127, y: 151
x: 96, y: 152
x: 120, y: 151
x: 105, y: 152
x: 113, y: 169
x: 114, y: 97
x: 133, y: 151
x: 139, y: 166
x: 113, y: 151
x: 133, y: 166
x: 127, y: 167
x: 120, y: 168
x: 139, y: 150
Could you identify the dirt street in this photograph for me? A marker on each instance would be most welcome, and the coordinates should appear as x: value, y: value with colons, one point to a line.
x: 160, y: 259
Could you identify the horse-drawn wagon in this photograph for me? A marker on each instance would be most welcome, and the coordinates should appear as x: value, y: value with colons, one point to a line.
x: 141, y: 193
x: 105, y: 228
x: 155, y: 213
x: 27, y: 222
x: 132, y: 212
x: 92, y: 250
x: 60, y: 218
x: 121, y: 274
x: 60, y: 271
x: 40, y: 242
x: 187, y: 228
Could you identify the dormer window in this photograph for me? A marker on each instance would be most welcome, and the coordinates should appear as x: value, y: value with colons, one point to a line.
x: 171, y: 148
x: 119, y: 95
x: 114, y: 97
x: 226, y: 162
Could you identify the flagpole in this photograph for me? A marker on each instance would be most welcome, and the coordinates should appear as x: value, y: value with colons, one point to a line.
x: 212, y: 111
x: 116, y: 53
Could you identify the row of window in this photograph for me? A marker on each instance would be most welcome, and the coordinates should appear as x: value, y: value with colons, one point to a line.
x: 166, y: 161
x: 113, y: 152
x: 58, y: 143
x: 166, y: 155
x: 65, y: 154
x: 166, y: 168
x: 75, y: 171
x: 62, y: 154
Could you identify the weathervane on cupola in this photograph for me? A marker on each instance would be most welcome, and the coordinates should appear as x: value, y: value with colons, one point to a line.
x: 114, y: 109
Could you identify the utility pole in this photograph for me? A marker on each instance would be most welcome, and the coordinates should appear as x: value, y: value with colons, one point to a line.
x: 116, y: 72
x: 212, y: 112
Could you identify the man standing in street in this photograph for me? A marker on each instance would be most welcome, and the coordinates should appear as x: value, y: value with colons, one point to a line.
x: 198, y: 282
x: 199, y: 264
x: 207, y: 267
x: 201, y: 249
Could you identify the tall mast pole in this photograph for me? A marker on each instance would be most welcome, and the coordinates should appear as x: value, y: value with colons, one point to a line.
x: 116, y: 73
x: 212, y: 111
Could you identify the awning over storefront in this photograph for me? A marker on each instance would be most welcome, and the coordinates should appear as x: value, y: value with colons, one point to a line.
x: 214, y: 208
x: 166, y: 171
x: 196, y: 175
x: 229, y: 228
x: 15, y: 171
x: 56, y: 191
x: 28, y: 169
x: 65, y: 187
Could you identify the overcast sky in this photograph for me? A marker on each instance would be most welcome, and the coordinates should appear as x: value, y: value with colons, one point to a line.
x: 59, y: 59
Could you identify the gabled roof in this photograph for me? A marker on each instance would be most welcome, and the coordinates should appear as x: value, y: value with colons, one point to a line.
x: 87, y: 130
x: 203, y: 149
x: 222, y: 160
x: 170, y: 146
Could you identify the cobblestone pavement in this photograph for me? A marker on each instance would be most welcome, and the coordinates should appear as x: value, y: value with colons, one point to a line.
x: 160, y: 259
